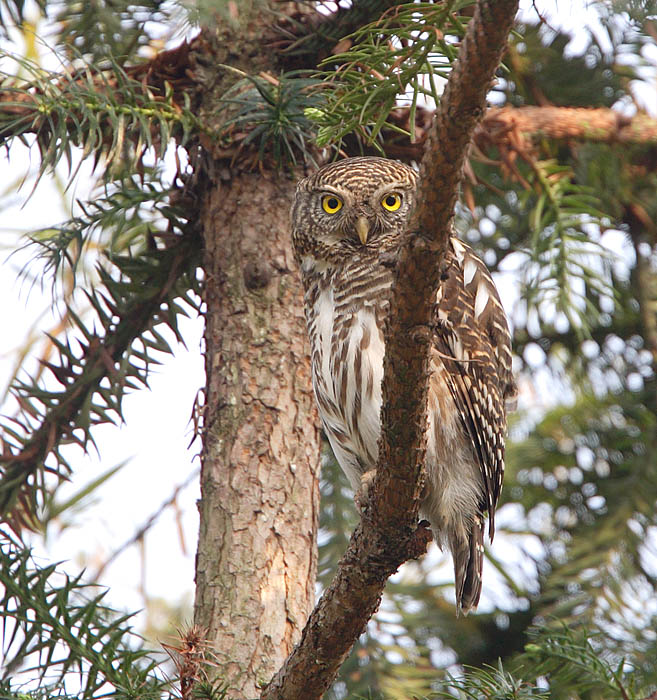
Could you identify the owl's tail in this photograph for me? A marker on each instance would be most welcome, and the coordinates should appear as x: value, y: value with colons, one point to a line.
x: 468, y: 555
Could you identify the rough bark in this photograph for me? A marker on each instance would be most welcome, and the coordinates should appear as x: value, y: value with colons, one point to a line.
x: 259, y: 484
x: 566, y: 123
x: 518, y: 129
x: 256, y: 560
x: 388, y: 533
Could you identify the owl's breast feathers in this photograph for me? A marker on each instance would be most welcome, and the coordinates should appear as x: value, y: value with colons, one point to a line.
x: 345, y: 310
x: 471, y: 368
x: 470, y: 389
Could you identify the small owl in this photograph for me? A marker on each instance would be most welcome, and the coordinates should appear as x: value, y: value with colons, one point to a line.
x: 348, y: 219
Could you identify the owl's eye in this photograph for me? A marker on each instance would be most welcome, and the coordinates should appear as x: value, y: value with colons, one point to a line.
x: 331, y: 204
x: 391, y: 202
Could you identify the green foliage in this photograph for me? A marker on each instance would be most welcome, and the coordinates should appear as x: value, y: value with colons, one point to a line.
x: 555, y: 664
x: 105, y: 112
x: 574, y: 660
x: 138, y: 295
x: 492, y: 683
x: 403, y: 54
x: 59, y: 631
x: 566, y: 266
x: 62, y: 641
x: 270, y: 114
x: 120, y: 220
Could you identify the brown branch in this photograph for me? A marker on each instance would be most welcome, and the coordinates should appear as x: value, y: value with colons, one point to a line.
x: 515, y: 128
x: 388, y: 533
x: 567, y: 123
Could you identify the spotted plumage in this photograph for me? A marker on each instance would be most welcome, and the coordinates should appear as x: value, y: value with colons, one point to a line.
x: 348, y: 219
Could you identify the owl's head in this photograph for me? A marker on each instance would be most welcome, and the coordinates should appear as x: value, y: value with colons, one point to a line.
x: 353, y: 207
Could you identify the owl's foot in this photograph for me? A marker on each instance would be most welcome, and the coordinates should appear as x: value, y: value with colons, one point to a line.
x: 363, y: 492
x: 421, y: 540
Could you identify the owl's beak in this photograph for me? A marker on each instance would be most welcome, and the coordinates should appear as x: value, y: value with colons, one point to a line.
x: 362, y: 228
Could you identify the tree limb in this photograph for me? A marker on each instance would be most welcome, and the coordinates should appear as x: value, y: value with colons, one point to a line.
x: 23, y: 109
x: 514, y: 128
x: 564, y: 123
x: 58, y: 422
x: 388, y: 533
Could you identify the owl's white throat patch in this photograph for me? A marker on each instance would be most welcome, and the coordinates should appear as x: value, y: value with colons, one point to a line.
x: 309, y: 265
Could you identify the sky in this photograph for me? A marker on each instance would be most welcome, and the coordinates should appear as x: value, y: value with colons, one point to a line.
x: 157, y: 430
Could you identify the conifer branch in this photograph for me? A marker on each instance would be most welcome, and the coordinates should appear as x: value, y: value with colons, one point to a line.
x: 60, y: 627
x: 407, y: 51
x: 102, y: 109
x: 388, y: 533
x: 93, y: 380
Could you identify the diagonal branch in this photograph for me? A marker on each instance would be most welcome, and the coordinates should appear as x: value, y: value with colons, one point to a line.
x: 93, y: 384
x: 388, y: 533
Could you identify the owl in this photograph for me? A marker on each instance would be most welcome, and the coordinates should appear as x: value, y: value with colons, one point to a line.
x: 348, y: 219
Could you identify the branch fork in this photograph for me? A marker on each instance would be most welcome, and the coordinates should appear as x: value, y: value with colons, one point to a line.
x: 389, y: 534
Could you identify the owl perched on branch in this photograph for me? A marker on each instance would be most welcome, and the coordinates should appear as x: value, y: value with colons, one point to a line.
x: 348, y: 219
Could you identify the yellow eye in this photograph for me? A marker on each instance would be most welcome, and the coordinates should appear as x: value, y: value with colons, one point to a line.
x: 331, y: 204
x: 391, y: 202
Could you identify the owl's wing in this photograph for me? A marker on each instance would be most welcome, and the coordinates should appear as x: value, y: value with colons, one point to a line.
x: 473, y: 342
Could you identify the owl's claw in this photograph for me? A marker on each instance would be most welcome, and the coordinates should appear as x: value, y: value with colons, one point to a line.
x: 421, y: 540
x: 363, y: 492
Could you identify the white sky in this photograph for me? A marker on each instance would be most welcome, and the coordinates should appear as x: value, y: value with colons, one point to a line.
x: 157, y: 422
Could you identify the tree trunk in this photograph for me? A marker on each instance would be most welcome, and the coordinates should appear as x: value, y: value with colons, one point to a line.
x: 256, y: 560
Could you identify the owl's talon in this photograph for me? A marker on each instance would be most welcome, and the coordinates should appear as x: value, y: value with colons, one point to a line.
x: 421, y: 540
x: 363, y: 492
